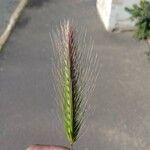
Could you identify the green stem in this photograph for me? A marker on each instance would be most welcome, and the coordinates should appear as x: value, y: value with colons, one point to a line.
x: 71, y: 147
x: 148, y: 44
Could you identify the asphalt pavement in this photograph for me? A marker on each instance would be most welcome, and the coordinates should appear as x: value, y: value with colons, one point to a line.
x: 120, y: 116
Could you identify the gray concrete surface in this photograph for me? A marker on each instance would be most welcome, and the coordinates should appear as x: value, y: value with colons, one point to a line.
x: 121, y: 101
x: 6, y: 9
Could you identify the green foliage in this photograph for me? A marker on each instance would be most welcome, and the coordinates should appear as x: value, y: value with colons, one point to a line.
x: 140, y: 14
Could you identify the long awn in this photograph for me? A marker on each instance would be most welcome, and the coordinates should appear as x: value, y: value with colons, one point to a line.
x: 76, y: 69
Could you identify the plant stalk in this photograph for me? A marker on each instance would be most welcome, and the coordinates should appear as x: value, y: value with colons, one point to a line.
x: 71, y: 147
x: 148, y: 44
x: 12, y: 22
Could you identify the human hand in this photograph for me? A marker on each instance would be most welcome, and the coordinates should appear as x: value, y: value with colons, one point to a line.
x: 46, y: 147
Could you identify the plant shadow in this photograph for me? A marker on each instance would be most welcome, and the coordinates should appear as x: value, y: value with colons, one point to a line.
x: 37, y: 3
x: 23, y: 22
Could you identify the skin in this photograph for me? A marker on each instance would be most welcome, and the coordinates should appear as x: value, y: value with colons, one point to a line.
x: 46, y: 147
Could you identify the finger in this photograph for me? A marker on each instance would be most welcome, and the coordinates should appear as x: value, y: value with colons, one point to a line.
x: 46, y: 147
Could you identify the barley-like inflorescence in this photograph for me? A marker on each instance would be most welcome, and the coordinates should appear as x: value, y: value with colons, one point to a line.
x: 75, y: 71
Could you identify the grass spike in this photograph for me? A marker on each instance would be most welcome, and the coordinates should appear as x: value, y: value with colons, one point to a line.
x: 76, y: 71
